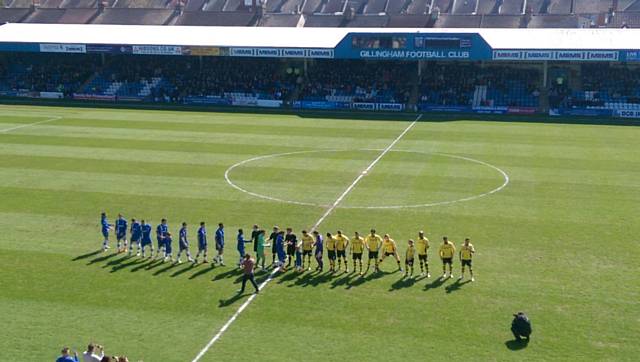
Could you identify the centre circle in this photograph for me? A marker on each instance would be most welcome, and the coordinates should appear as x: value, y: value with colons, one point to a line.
x: 401, y: 179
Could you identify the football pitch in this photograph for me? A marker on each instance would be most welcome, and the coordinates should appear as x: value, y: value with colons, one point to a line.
x: 552, y: 210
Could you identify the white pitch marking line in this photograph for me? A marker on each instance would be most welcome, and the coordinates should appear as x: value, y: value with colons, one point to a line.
x: 233, y: 318
x: 30, y: 124
x: 505, y: 177
x: 363, y: 174
x: 324, y: 216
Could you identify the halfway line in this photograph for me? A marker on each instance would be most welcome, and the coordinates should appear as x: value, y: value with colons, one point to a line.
x: 322, y: 218
x: 363, y: 174
x: 30, y: 124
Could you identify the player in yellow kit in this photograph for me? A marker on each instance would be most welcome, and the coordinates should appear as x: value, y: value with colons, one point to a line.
x: 342, y: 242
x: 466, y: 254
x: 330, y: 245
x: 357, y: 247
x: 373, y: 242
x: 409, y: 257
x: 422, y: 245
x: 307, y: 248
x: 447, y: 251
x: 389, y: 247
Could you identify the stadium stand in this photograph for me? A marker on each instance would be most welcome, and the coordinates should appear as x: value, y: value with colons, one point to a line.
x: 352, y: 81
x: 470, y: 85
x: 40, y: 72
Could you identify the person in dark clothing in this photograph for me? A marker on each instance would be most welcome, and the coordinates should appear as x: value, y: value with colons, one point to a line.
x: 521, y: 326
x: 272, y: 241
x: 254, y: 237
x: 291, y: 240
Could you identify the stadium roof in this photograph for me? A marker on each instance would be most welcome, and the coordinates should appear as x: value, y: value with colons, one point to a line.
x: 612, y: 39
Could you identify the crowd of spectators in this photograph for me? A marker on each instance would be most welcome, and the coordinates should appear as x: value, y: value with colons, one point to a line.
x: 213, y: 76
x: 439, y: 83
x: 597, y: 85
x: 46, y: 73
x: 375, y: 81
x: 602, y: 82
x: 454, y: 84
x: 448, y: 84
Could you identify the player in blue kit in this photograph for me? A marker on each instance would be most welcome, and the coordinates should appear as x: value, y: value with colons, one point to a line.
x: 220, y: 244
x: 146, y: 238
x: 184, y: 244
x: 121, y: 233
x: 282, y: 255
x: 202, y: 243
x: 136, y: 236
x: 105, y: 227
x: 161, y: 231
x: 167, y: 247
x: 240, y: 246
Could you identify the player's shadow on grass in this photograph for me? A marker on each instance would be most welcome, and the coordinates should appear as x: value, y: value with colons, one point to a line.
x: 435, y: 284
x: 154, y: 264
x: 145, y: 264
x: 402, y: 283
x: 165, y: 269
x: 340, y: 281
x: 456, y: 285
x: 185, y: 269
x: 311, y: 279
x: 303, y: 281
x: 206, y: 268
x: 228, y: 274
x: 87, y: 255
x: 355, y: 281
x: 287, y: 276
x: 126, y: 265
x: 115, y: 262
x: 101, y: 258
x: 516, y: 345
x: 227, y: 302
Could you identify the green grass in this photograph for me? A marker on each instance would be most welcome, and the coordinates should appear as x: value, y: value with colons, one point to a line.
x: 559, y: 242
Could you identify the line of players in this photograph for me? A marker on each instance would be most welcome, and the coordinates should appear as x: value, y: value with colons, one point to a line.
x: 287, y: 247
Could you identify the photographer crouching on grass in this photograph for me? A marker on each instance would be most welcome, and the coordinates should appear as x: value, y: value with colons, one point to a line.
x: 94, y: 353
x: 521, y: 327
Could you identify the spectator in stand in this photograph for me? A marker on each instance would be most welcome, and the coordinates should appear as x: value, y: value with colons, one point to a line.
x: 66, y: 356
x: 94, y: 353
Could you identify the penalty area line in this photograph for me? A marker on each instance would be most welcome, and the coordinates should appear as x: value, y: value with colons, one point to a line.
x: 328, y: 212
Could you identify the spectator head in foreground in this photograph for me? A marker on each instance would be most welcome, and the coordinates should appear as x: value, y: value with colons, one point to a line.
x: 94, y: 353
x: 65, y: 355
